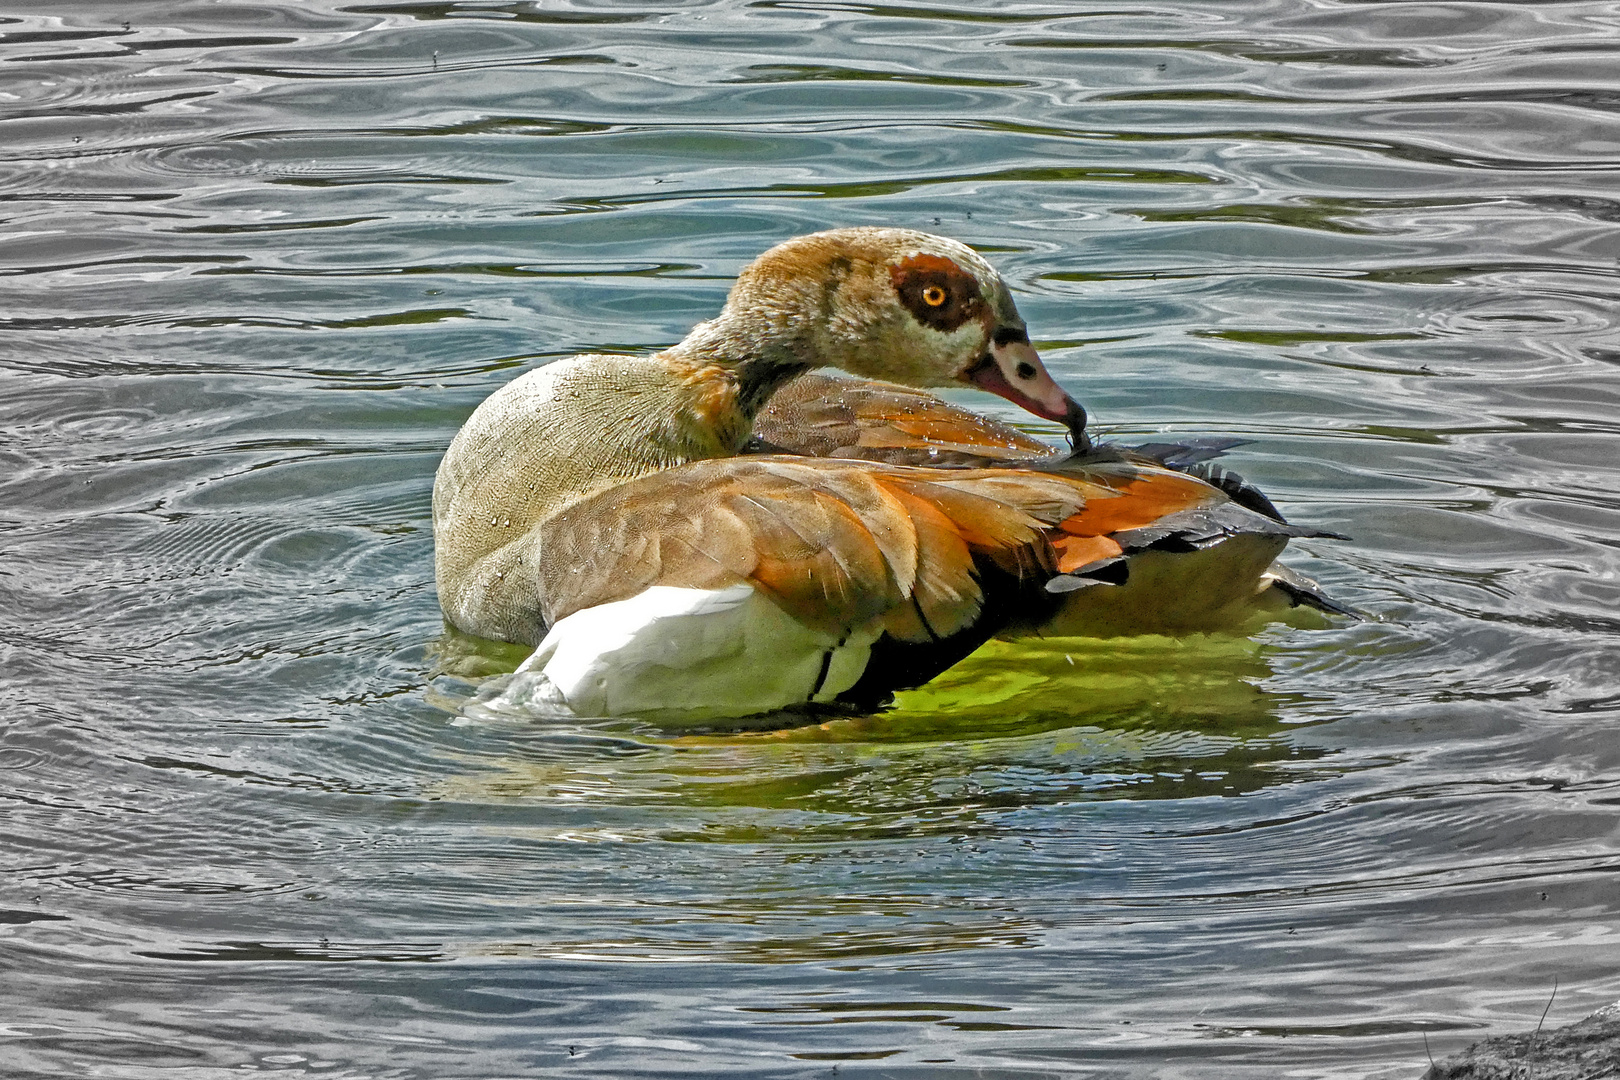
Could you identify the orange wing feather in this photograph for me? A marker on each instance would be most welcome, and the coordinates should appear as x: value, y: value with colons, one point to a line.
x: 1145, y: 495
x: 1077, y: 551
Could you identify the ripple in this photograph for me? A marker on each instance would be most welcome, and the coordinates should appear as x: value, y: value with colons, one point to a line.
x: 265, y: 259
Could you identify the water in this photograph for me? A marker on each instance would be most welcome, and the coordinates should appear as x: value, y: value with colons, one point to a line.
x: 259, y: 262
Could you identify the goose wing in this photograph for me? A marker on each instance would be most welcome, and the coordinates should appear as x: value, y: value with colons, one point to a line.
x: 820, y: 416
x: 835, y: 544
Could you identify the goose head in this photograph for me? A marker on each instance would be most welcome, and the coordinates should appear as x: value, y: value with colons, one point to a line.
x: 893, y: 304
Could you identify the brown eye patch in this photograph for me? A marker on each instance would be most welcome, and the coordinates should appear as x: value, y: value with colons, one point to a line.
x: 938, y: 292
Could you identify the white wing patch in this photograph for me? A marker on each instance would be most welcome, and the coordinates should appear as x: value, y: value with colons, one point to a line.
x: 697, y: 652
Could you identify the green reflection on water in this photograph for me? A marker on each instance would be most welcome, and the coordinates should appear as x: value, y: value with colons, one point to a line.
x: 1290, y: 338
x: 1017, y: 725
x: 1156, y: 682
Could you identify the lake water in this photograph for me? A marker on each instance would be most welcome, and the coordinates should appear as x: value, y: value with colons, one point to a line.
x: 259, y: 261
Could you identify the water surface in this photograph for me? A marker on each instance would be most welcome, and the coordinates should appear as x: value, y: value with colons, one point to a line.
x: 261, y: 260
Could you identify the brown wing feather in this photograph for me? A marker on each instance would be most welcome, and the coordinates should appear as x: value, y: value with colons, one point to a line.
x: 865, y: 419
x: 707, y: 526
x: 946, y: 597
x: 877, y: 421
x: 835, y: 577
x: 833, y: 543
x: 870, y: 420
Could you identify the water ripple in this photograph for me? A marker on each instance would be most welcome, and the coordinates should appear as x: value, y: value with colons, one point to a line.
x: 264, y: 258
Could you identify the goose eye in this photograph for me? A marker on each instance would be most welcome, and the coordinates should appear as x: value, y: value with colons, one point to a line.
x: 939, y: 294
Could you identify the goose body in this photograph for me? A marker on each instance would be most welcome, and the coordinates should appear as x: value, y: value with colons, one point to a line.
x: 603, y: 508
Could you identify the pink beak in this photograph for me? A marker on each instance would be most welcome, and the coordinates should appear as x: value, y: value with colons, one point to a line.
x: 1012, y: 369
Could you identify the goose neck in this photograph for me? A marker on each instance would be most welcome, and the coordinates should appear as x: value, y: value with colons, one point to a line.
x: 755, y: 363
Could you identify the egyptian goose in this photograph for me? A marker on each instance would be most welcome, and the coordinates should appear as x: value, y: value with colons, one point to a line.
x: 601, y: 508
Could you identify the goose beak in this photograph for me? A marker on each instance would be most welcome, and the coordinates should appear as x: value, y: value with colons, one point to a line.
x: 1012, y: 369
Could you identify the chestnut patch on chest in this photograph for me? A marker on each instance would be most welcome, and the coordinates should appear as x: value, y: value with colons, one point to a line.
x: 938, y: 292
